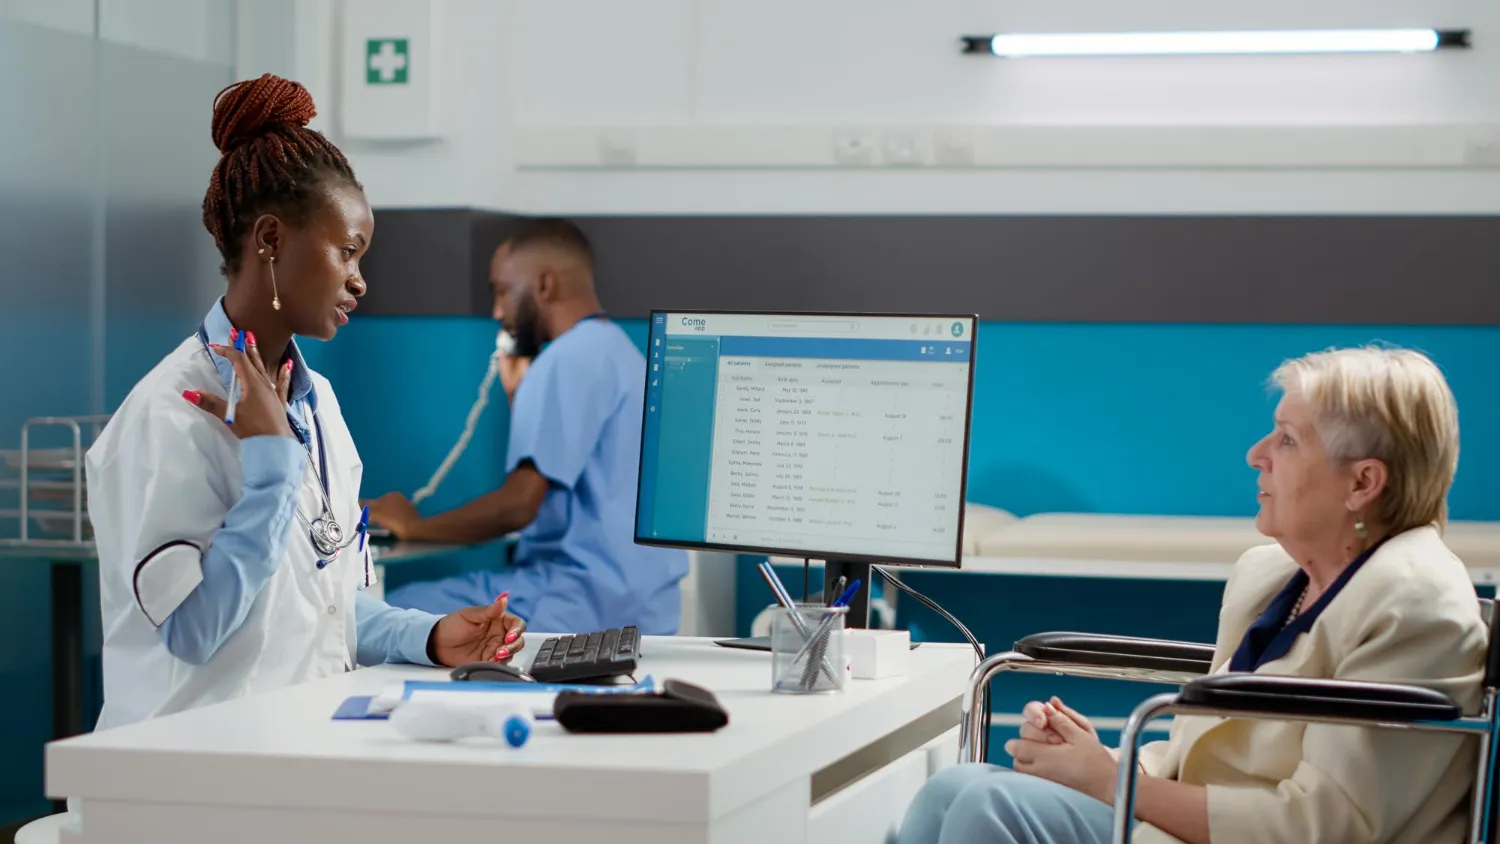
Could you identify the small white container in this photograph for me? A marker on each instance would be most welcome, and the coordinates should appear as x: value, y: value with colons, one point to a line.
x: 874, y: 654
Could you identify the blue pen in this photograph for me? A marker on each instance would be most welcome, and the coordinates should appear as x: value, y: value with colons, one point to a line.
x: 234, y: 381
x: 844, y: 598
x: 364, y: 527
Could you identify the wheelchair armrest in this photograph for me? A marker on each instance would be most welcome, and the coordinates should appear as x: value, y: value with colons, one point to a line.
x: 1118, y: 652
x: 1319, y: 698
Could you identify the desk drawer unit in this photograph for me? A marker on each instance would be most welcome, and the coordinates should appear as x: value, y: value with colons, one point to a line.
x: 869, y: 810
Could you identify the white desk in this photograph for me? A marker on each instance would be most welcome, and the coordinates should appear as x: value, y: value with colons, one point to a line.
x: 66, y: 559
x: 837, y: 768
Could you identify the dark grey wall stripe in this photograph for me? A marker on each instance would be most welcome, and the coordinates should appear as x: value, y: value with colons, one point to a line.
x: 1352, y: 269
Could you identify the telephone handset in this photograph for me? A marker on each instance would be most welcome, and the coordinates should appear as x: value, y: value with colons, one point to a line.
x: 504, y: 345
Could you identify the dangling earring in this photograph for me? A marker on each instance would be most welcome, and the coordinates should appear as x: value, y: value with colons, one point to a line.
x: 275, y: 297
x: 1359, y: 530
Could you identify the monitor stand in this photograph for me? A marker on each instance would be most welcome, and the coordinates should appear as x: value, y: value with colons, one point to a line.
x: 859, y: 605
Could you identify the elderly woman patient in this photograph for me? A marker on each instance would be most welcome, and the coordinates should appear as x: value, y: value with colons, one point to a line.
x: 1353, y: 481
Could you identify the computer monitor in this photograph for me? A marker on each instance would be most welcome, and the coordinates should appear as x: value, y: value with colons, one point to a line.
x: 835, y: 437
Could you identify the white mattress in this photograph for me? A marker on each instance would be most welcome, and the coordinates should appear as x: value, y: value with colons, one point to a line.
x: 980, y: 522
x: 1184, y: 539
x: 996, y: 533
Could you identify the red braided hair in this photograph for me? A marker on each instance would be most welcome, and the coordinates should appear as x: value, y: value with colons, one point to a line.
x: 269, y: 162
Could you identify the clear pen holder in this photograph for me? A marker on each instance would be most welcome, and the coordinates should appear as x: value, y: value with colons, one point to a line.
x: 807, y: 650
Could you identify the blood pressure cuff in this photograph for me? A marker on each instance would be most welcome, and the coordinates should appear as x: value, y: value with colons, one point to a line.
x: 165, y: 577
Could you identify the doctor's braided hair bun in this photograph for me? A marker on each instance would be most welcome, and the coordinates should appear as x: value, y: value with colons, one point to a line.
x: 269, y: 161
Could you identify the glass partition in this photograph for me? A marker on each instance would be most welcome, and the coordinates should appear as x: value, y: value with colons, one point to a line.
x: 104, y: 266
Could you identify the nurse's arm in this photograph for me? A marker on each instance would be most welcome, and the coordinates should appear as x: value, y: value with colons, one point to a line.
x: 490, y: 516
x: 242, y: 555
x: 388, y: 634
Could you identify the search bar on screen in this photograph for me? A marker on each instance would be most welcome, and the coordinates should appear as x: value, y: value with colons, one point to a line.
x: 830, y: 326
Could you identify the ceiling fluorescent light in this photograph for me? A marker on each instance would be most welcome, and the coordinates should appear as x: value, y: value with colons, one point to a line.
x: 1217, y: 43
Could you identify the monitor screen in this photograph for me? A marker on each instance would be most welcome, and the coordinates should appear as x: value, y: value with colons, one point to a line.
x: 810, y: 435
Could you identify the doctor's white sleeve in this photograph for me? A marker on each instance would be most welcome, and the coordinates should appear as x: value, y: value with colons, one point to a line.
x: 243, y: 553
x: 195, y: 558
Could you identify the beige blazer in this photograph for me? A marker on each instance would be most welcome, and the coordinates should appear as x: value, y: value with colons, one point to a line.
x: 1409, y: 615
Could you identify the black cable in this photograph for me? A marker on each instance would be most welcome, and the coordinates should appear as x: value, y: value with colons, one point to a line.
x: 984, y: 697
x: 932, y: 605
x: 806, y: 564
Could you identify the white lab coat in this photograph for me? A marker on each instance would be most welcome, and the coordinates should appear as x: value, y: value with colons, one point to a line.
x: 161, y: 478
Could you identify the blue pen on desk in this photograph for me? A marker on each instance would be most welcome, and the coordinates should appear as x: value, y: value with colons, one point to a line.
x: 234, y: 381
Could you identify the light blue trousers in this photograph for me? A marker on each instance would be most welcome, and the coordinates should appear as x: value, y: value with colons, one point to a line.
x: 988, y: 804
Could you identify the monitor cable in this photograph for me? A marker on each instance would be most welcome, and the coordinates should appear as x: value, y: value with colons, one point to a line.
x: 984, y: 699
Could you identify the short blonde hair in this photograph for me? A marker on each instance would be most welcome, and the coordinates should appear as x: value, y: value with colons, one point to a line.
x: 1392, y: 405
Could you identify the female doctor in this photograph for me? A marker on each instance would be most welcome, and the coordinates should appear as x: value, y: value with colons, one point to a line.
x: 231, y: 556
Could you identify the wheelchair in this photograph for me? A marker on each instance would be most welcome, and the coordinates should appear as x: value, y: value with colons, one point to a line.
x: 1238, y: 695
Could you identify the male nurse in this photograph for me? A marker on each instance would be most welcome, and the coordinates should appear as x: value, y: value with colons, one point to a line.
x: 576, y: 384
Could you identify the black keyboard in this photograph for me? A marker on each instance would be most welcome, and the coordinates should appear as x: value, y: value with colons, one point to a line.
x: 586, y: 657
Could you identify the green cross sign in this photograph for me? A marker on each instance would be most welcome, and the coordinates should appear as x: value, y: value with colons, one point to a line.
x: 386, y: 61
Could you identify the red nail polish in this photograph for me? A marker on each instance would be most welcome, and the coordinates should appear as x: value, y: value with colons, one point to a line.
x: 503, y: 653
x: 192, y: 396
x: 288, y: 364
x: 233, y: 333
x: 503, y: 596
x: 250, y: 336
x: 512, y: 637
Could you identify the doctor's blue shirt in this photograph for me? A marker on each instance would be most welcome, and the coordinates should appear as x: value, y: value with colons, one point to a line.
x: 577, y: 418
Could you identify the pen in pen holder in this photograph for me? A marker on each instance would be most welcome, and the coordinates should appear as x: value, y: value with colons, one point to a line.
x: 810, y: 663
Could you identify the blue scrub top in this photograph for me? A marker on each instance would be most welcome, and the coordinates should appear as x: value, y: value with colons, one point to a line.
x: 577, y: 418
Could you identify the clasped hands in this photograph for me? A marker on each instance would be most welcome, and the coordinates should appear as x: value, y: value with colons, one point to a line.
x: 1059, y: 744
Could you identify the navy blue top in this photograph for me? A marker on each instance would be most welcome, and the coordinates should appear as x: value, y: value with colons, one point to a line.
x: 1270, y: 637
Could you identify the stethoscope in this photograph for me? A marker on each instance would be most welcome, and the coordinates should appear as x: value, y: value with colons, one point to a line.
x: 324, y: 532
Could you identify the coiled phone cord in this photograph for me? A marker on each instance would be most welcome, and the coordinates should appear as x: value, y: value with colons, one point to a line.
x: 503, y: 345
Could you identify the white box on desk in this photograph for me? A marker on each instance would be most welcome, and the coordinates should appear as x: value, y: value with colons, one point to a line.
x: 874, y: 654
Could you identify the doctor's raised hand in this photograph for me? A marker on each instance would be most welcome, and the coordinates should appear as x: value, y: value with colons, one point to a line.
x: 261, y: 409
